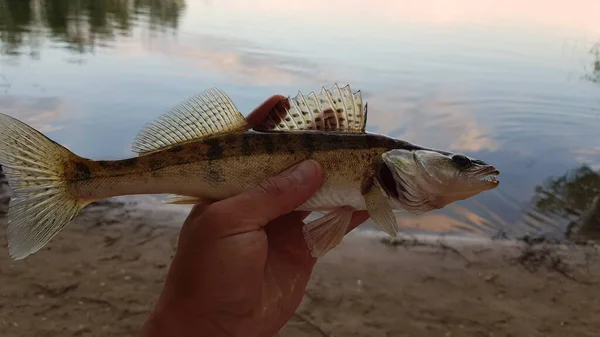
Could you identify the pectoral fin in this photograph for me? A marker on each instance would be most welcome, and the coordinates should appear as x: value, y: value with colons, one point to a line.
x: 327, y: 232
x: 175, y: 199
x: 380, y: 210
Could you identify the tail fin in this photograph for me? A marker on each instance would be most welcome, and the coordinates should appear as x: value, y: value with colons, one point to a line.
x: 41, y: 204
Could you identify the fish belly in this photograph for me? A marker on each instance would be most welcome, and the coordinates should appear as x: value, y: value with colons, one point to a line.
x: 327, y: 199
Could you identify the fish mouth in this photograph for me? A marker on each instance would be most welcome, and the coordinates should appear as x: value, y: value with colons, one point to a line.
x: 488, y: 175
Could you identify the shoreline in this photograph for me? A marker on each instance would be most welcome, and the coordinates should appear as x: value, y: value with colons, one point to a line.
x: 103, y: 273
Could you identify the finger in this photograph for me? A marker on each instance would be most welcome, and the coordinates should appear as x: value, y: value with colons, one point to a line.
x: 192, y: 218
x: 197, y: 210
x: 286, y: 238
x: 258, y: 115
x: 274, y: 197
x: 303, y: 214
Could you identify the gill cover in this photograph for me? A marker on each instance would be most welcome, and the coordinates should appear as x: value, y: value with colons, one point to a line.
x: 422, y: 180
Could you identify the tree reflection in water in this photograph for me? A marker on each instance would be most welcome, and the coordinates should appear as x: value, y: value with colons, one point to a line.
x: 574, y: 196
x: 79, y: 25
x: 595, y: 72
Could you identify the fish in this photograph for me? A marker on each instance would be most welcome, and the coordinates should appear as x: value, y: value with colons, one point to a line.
x: 203, y: 150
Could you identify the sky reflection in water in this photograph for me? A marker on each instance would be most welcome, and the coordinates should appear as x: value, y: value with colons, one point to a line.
x: 513, y: 85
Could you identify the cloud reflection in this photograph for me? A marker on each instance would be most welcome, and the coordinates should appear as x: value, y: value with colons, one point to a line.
x: 41, y: 113
x: 239, y: 60
x: 589, y: 156
x: 439, y: 121
x: 437, y: 222
x: 579, y: 15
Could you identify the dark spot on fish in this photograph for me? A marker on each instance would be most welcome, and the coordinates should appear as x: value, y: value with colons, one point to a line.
x: 371, y: 141
x: 246, y: 145
x: 175, y: 149
x: 104, y: 164
x: 386, y: 180
x: 340, y: 110
x: 127, y: 163
x: 366, y: 184
x: 402, y: 144
x: 181, y: 160
x: 268, y: 144
x: 336, y: 142
x: 83, y: 171
x: 284, y: 139
x: 309, y: 142
x: 214, y: 174
x: 215, y: 151
x: 328, y: 112
x: 231, y: 139
x: 155, y: 164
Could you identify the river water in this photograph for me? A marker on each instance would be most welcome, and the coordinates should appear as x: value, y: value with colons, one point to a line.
x: 514, y: 83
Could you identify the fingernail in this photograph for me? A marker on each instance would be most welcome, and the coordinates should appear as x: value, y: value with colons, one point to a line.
x: 304, y: 171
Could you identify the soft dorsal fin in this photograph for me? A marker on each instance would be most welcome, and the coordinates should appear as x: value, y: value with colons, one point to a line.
x: 208, y: 113
x: 334, y: 110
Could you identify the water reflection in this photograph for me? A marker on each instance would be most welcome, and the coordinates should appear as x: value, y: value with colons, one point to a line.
x: 595, y: 71
x: 574, y: 197
x: 509, y: 92
x: 43, y: 113
x: 446, y: 111
x: 79, y: 25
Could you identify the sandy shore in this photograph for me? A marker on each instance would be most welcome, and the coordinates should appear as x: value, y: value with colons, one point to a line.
x: 101, y: 276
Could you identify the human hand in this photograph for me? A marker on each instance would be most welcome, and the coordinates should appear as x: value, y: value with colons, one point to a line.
x: 242, y: 264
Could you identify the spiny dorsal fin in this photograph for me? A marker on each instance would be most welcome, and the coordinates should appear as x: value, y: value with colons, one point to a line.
x: 209, y: 113
x: 333, y: 110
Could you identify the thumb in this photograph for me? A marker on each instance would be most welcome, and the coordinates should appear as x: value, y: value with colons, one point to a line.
x: 275, y: 196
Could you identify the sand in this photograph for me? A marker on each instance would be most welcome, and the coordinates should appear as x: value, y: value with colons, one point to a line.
x: 102, y: 275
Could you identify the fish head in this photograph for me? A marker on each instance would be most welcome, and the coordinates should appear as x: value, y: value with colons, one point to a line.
x: 421, y: 180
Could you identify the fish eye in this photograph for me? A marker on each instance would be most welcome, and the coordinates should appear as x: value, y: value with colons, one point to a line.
x: 461, y: 161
